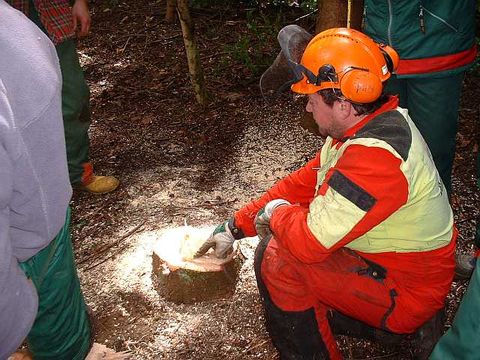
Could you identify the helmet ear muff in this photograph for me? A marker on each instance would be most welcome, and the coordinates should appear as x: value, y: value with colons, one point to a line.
x: 391, y: 57
x: 361, y: 86
x: 388, y: 61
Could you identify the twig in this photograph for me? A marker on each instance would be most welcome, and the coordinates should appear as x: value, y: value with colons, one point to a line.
x: 306, y: 15
x: 105, y: 259
x: 379, y: 357
x: 207, y: 204
x: 126, y: 44
x: 255, y: 346
x: 218, y: 203
x: 165, y: 39
x: 109, y: 246
x: 208, y: 56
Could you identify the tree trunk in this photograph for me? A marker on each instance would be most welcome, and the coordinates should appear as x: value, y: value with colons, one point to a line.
x: 171, y: 11
x: 193, y: 57
x: 331, y: 14
x: 339, y: 13
x: 355, y: 14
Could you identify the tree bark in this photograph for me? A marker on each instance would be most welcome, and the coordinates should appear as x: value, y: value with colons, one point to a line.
x: 171, y: 11
x: 193, y: 57
x: 195, y: 280
x: 331, y: 13
x: 356, y: 14
x: 339, y: 13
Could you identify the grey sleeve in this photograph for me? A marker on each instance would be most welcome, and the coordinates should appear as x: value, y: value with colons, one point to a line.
x: 18, y: 297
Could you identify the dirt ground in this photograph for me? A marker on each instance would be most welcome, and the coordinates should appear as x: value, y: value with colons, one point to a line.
x: 179, y: 163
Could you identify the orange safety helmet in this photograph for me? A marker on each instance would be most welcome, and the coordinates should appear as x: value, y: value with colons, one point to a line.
x: 348, y: 60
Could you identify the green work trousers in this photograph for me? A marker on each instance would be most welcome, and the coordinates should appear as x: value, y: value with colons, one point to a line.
x: 61, y: 330
x: 75, y: 109
x: 433, y: 105
x: 461, y: 342
x: 75, y: 104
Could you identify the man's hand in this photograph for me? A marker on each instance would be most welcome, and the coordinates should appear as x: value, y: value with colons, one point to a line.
x: 81, y: 17
x: 222, y: 240
x: 262, y: 219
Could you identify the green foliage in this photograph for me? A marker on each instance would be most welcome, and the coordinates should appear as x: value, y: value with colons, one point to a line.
x: 256, y: 48
x: 241, y: 52
x: 258, y: 24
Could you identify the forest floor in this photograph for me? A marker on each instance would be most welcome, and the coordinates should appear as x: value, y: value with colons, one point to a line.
x: 179, y: 163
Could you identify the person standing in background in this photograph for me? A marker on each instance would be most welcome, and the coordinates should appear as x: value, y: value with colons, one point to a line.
x: 40, y: 294
x: 60, y: 22
x: 436, y: 44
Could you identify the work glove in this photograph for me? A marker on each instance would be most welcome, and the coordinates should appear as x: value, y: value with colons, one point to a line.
x: 222, y: 239
x: 262, y: 219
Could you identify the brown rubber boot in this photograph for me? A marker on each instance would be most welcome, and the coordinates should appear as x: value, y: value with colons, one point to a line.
x: 100, y: 184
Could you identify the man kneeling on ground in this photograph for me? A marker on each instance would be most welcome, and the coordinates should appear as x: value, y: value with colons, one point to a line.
x: 363, y: 232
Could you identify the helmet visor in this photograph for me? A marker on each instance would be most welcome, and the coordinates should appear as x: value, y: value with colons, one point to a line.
x: 286, y: 69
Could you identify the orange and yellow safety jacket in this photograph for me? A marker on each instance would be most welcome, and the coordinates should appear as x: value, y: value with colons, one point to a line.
x: 375, y: 191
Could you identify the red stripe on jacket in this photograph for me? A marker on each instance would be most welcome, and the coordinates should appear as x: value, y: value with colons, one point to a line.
x: 437, y: 63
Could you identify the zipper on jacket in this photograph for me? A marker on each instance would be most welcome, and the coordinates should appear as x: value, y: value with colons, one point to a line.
x: 422, y: 19
x: 390, y: 21
x: 422, y: 9
x: 364, y: 18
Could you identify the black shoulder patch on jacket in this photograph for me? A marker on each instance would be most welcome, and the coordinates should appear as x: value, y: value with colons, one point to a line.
x: 392, y: 128
x: 351, y: 191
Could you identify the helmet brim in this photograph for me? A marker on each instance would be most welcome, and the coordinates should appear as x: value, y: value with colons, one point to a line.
x: 304, y: 87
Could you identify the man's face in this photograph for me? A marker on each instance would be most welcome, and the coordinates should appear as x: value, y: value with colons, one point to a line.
x: 324, y: 116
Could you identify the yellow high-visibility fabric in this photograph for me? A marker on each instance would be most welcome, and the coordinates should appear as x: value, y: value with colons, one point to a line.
x: 424, y: 223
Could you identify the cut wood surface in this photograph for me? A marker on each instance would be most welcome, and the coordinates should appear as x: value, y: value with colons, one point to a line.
x: 181, y: 278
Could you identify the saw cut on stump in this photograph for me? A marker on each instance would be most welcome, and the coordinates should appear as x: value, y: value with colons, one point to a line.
x: 180, y: 278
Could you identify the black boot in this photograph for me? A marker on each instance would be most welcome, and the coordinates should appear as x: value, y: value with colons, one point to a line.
x: 426, y: 336
x: 345, y: 325
x: 464, y: 266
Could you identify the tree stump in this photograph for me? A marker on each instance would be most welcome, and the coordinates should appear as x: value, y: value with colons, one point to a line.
x: 180, y: 278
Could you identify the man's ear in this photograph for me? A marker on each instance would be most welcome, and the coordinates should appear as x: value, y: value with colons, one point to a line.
x: 345, y: 107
